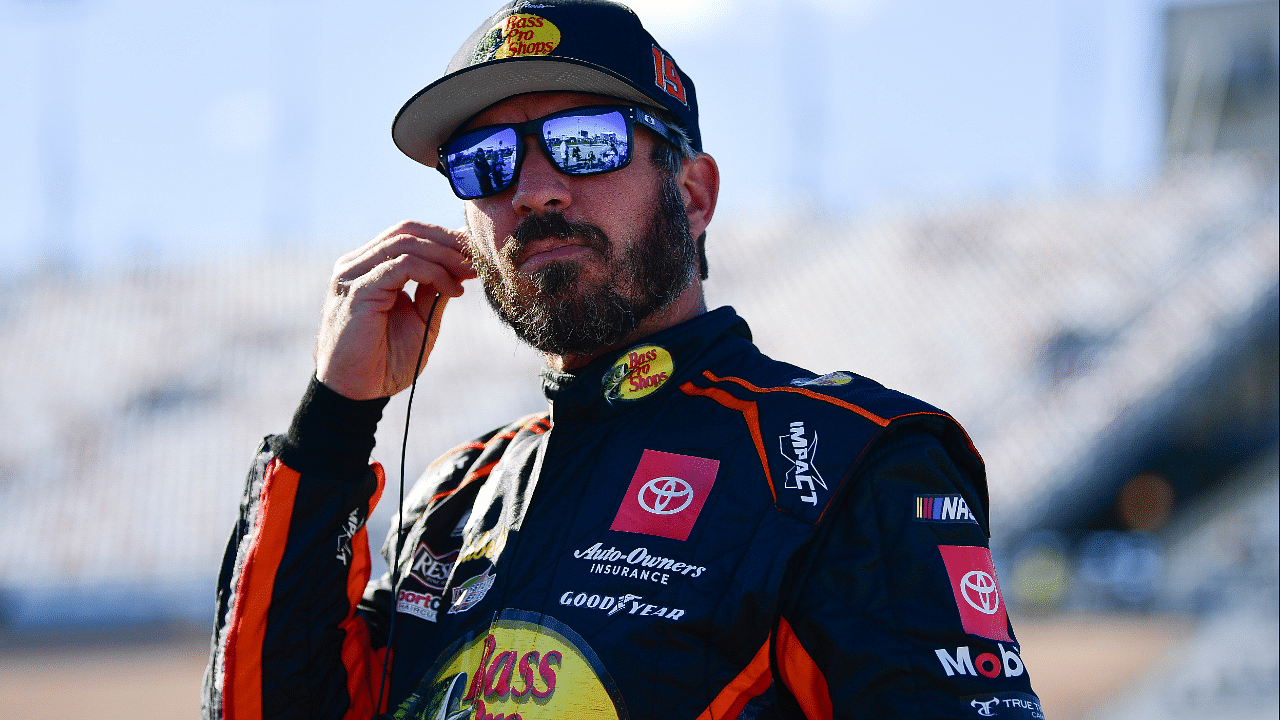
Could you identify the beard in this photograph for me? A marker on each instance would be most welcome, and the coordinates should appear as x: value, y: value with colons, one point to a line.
x: 558, y: 312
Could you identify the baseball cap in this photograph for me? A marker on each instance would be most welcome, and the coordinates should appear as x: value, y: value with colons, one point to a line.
x: 589, y: 46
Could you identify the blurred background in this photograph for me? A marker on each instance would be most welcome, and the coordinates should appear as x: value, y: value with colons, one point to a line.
x: 1056, y: 219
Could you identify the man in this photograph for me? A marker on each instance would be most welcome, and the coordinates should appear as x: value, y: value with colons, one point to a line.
x: 693, y: 530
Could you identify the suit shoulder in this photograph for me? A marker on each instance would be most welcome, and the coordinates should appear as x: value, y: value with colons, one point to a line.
x: 816, y: 430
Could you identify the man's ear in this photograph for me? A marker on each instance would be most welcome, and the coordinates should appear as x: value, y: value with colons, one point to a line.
x: 699, y: 183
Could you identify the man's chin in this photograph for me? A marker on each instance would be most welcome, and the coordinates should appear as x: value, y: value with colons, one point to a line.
x: 558, y: 279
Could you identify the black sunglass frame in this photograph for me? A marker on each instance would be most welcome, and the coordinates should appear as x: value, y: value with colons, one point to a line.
x: 630, y: 114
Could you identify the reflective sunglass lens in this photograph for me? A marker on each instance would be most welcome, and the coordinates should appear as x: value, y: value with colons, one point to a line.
x: 585, y: 144
x: 483, y: 162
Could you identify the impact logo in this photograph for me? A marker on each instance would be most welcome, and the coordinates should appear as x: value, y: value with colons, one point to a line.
x: 667, y: 76
x: 985, y: 664
x: 666, y: 494
x: 638, y: 373
x: 430, y: 569
x: 346, y: 533
x: 800, y: 451
x: 977, y: 593
x: 943, y: 508
x: 518, y: 35
x: 829, y: 380
x: 471, y: 591
x: 527, y: 666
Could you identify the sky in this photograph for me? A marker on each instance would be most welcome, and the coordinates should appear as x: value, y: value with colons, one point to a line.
x: 146, y: 129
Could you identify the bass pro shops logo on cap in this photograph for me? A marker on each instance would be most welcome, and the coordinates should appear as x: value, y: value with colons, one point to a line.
x: 518, y: 35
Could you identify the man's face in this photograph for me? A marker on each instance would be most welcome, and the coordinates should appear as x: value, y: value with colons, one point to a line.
x: 574, y: 264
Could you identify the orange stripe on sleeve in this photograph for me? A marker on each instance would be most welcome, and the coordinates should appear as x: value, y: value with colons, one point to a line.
x: 242, y: 692
x: 801, y: 675
x: 363, y: 665
x: 749, y: 413
x: 801, y: 391
x: 753, y: 680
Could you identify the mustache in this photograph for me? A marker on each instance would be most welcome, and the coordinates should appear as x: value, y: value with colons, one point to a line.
x: 555, y: 225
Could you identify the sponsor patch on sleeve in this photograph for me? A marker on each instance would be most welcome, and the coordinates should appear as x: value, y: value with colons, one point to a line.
x: 943, y: 508
x: 666, y: 494
x: 978, y: 597
x: 1013, y: 705
x: 800, y: 449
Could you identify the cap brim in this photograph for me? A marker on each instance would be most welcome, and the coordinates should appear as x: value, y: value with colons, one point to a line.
x: 431, y: 116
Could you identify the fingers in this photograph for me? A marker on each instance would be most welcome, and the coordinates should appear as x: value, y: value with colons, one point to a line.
x: 454, y: 238
x: 415, y: 244
x: 385, y: 280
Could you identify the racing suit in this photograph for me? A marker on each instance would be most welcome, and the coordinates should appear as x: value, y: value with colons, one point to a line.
x: 694, y: 530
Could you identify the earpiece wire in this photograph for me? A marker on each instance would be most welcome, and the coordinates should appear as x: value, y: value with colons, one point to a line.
x: 404, y: 450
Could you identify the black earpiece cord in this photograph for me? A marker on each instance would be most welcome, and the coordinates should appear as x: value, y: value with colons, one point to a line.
x: 404, y: 450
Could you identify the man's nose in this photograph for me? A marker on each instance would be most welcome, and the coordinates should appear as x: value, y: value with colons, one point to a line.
x: 541, y: 188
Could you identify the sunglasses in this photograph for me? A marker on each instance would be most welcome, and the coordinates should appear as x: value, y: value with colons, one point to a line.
x: 582, y: 141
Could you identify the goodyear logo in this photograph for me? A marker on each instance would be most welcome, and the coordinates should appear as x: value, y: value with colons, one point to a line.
x: 638, y: 373
x: 527, y: 665
x: 518, y: 35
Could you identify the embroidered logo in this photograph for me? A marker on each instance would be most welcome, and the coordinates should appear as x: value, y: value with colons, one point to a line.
x: 345, y: 535
x: 471, y: 592
x: 420, y: 605
x: 943, y: 508
x: 638, y: 373
x: 430, y: 569
x: 520, y: 665
x: 614, y: 605
x: 801, y: 451
x: 667, y: 76
x: 666, y: 494
x: 977, y: 593
x: 984, y: 706
x: 637, y: 564
x: 518, y: 35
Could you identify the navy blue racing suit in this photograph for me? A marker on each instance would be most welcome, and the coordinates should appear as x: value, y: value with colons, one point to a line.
x: 694, y: 530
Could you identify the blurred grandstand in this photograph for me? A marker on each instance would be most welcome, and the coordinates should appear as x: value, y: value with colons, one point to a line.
x: 1114, y: 357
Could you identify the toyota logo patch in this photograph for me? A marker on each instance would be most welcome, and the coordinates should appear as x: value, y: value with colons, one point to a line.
x: 665, y: 495
x: 979, y: 590
x: 977, y: 593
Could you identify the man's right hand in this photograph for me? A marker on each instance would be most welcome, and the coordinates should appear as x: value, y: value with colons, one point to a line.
x: 371, y: 330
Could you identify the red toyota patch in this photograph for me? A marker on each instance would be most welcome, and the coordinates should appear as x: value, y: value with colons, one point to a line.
x: 666, y: 495
x: 978, y: 596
